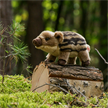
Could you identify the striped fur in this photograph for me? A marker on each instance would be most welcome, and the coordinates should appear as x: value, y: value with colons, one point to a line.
x: 73, y: 42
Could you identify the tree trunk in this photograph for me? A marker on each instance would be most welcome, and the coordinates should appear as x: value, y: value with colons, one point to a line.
x: 103, y: 33
x: 34, y: 28
x: 103, y: 45
x: 6, y: 20
x: 84, y: 18
x: 58, y: 14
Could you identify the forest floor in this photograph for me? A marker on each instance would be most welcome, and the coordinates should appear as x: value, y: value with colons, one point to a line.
x: 15, y: 92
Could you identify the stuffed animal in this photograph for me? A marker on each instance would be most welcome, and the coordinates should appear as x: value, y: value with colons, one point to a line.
x: 65, y: 45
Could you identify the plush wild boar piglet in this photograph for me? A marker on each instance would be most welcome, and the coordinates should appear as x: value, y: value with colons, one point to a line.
x: 65, y: 45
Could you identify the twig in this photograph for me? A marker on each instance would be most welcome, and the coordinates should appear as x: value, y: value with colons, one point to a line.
x: 12, y: 77
x: 51, y: 85
x: 4, y: 29
x: 101, y: 56
x: 71, y: 88
x: 9, y: 106
x: 3, y: 64
x: 80, y: 93
x: 8, y: 56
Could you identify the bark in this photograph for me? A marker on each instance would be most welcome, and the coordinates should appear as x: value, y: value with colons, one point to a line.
x: 6, y: 20
x: 34, y: 28
x: 75, y: 72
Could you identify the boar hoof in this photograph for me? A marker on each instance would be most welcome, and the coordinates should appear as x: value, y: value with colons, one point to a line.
x: 86, y: 63
x: 37, y: 42
x: 46, y: 60
x: 61, y: 62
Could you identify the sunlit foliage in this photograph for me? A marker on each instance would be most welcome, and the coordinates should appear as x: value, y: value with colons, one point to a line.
x: 83, y: 17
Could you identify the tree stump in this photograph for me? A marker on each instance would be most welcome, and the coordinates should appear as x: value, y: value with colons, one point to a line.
x: 48, y: 73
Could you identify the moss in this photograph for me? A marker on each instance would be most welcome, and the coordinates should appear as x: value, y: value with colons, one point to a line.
x: 15, y: 93
x: 13, y: 84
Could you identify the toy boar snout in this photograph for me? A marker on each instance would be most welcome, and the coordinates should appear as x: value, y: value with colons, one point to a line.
x: 37, y: 42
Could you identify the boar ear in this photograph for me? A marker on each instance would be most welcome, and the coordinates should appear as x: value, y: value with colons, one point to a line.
x: 59, y: 36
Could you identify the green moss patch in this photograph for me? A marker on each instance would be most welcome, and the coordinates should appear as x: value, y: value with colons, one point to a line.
x: 15, y: 93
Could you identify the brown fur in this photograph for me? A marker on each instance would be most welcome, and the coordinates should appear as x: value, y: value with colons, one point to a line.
x: 50, y: 58
x: 52, y: 40
x: 53, y: 43
x: 59, y: 36
x: 64, y: 56
x: 72, y: 60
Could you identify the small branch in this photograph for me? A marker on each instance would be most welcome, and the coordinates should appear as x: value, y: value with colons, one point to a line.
x: 8, y: 56
x: 51, y: 85
x: 71, y: 88
x: 4, y: 57
x: 12, y: 77
x: 12, y: 33
x: 101, y: 56
x: 4, y: 29
x: 3, y: 64
x: 9, y: 106
x: 80, y: 93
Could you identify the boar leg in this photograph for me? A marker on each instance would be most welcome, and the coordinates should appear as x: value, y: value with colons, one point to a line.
x: 72, y: 60
x: 84, y: 57
x: 50, y: 58
x: 63, y: 58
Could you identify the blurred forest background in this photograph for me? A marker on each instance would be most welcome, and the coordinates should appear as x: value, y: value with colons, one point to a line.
x: 89, y: 18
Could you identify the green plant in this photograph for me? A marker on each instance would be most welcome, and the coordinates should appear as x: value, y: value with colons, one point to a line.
x: 15, y: 49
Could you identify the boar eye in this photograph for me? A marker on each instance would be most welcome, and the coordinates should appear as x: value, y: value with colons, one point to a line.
x: 47, y: 38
